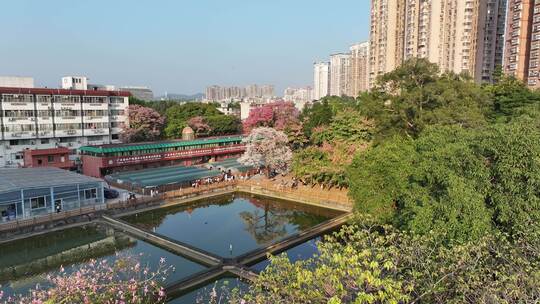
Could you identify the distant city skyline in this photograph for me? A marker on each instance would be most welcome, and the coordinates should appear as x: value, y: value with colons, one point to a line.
x: 177, y: 46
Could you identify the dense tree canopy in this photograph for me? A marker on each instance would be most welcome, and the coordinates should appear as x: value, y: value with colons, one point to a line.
x: 178, y: 118
x: 373, y: 264
x: 453, y: 180
x: 415, y: 95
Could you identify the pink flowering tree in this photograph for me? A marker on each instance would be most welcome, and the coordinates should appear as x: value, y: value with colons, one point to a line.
x: 145, y: 124
x: 199, y: 125
x: 267, y: 147
x: 121, y: 282
x: 278, y: 115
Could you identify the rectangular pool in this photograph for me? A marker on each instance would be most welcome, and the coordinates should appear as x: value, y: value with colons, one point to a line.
x: 230, y: 226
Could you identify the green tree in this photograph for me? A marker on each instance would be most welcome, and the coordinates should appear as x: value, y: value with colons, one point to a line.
x: 366, y: 263
x: 511, y: 98
x: 415, y: 95
x: 223, y: 124
x: 321, y: 112
x: 453, y: 181
x: 348, y: 126
x: 178, y: 116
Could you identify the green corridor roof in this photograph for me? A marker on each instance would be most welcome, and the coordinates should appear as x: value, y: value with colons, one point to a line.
x: 157, y: 145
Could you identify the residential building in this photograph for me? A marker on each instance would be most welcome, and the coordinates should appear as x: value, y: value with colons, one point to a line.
x: 386, y: 37
x: 460, y: 36
x: 234, y: 93
x: 522, y: 42
x: 299, y: 96
x: 267, y: 91
x: 359, y: 70
x: 321, y: 80
x: 39, y: 118
x: 16, y: 82
x: 75, y: 83
x: 340, y: 67
x: 55, y: 157
x: 31, y: 192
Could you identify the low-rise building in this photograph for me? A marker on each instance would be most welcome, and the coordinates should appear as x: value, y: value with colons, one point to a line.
x: 30, y: 192
x: 56, y: 157
x: 99, y: 161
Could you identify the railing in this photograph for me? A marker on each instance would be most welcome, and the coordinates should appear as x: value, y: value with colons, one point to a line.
x: 192, y: 191
x: 131, y: 203
x: 49, y: 218
x: 312, y: 195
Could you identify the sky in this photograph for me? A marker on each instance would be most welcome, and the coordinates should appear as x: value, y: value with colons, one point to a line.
x: 177, y: 46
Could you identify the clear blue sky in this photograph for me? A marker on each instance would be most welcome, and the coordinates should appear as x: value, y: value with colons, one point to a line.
x: 178, y: 46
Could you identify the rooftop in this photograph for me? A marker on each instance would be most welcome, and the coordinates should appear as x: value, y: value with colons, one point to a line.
x: 36, y: 152
x: 157, y: 145
x: 47, y: 91
x: 13, y: 179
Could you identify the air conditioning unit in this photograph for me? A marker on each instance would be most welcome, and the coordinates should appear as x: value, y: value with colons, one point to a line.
x: 9, y: 162
x: 12, y: 119
x: 70, y: 144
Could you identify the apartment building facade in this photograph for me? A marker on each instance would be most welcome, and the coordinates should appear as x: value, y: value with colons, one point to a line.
x: 522, y: 42
x: 38, y: 118
x: 340, y: 68
x: 359, y: 70
x: 321, y: 80
x: 462, y: 36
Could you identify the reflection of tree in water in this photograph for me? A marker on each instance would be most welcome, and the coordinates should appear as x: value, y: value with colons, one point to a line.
x: 155, y: 218
x: 267, y: 224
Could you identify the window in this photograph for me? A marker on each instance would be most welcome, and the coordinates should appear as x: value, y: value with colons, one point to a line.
x: 90, y: 193
x: 37, y: 202
x: 50, y: 159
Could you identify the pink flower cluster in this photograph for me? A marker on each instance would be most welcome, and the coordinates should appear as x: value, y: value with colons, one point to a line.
x: 278, y: 115
x: 121, y: 281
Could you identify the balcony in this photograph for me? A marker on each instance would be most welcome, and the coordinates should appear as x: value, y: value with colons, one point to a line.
x: 45, y: 134
x: 100, y: 131
x: 96, y: 119
x: 17, y: 105
x: 68, y: 133
x: 19, y: 135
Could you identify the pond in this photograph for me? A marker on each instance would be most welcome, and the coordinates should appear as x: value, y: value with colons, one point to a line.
x: 27, y: 262
x: 227, y: 226
x: 231, y: 225
x: 222, y: 287
x: 303, y: 251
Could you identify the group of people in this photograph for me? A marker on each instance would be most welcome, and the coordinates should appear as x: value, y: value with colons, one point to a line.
x: 225, y: 176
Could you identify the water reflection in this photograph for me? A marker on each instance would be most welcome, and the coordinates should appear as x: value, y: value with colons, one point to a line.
x: 232, y: 225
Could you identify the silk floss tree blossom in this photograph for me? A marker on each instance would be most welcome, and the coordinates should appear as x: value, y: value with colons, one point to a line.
x: 279, y: 115
x: 122, y: 281
x: 267, y: 147
x: 145, y: 124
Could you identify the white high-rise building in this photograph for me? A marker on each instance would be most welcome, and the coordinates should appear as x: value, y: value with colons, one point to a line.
x: 321, y: 80
x: 340, y: 66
